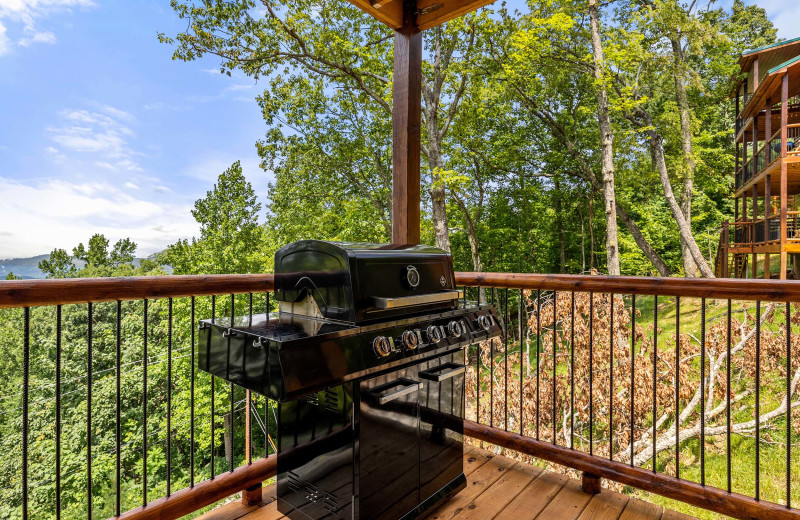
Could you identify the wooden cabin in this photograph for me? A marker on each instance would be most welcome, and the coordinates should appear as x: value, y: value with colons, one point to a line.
x: 764, y: 238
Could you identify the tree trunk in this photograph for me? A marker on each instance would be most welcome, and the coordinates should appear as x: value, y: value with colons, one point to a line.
x: 689, y: 265
x: 560, y: 227
x: 657, y: 155
x: 607, y: 144
x: 642, y: 242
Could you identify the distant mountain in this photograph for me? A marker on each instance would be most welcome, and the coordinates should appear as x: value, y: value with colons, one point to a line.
x: 28, y: 268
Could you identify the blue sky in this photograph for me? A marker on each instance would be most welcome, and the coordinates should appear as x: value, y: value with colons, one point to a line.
x: 100, y: 131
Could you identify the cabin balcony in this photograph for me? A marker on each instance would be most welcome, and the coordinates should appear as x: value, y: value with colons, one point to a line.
x: 760, y: 172
x: 661, y: 394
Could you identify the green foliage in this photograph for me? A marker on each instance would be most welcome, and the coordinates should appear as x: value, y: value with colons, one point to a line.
x: 230, y: 236
x: 59, y: 265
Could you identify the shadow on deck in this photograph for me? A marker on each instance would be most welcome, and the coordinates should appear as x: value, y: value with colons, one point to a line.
x: 501, y: 488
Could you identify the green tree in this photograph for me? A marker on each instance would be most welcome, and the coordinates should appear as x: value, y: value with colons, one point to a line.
x: 58, y: 265
x: 230, y: 235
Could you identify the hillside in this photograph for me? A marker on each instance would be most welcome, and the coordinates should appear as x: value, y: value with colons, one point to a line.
x: 28, y: 268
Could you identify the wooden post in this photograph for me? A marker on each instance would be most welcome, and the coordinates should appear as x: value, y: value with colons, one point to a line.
x: 755, y: 76
x: 406, y: 117
x: 590, y: 483
x: 252, y: 496
x: 784, y: 179
x: 768, y: 130
x: 767, y: 212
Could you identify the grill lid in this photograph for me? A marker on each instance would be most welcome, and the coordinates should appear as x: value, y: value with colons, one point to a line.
x: 362, y: 282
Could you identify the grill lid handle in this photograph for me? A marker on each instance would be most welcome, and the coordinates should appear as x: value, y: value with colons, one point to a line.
x: 415, y: 300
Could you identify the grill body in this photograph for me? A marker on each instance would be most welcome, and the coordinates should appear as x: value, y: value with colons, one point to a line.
x: 366, y: 360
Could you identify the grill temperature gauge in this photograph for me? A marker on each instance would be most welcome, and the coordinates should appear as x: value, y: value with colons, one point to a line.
x: 381, y: 346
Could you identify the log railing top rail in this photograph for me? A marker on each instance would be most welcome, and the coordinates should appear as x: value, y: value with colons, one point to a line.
x: 32, y: 293
x: 721, y: 288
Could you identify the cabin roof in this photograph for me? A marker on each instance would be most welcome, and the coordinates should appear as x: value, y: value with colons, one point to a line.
x: 770, y: 55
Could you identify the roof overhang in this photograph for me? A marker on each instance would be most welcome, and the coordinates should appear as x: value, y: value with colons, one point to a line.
x: 428, y: 13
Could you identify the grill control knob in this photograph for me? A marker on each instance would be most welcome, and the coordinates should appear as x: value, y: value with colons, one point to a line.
x: 485, y: 321
x: 434, y: 334
x: 455, y: 328
x: 409, y: 339
x: 381, y: 346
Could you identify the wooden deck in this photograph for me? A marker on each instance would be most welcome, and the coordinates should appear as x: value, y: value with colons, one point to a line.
x: 501, y: 488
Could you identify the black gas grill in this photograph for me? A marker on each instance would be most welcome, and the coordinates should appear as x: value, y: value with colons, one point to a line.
x: 366, y: 361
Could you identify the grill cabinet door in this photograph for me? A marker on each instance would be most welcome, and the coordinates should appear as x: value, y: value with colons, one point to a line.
x: 315, y: 455
x: 442, y: 423
x: 389, y: 446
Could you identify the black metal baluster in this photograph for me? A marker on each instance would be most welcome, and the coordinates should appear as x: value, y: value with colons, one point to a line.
x: 611, y: 380
x: 758, y: 401
x: 655, y: 374
x: 677, y: 385
x: 89, y: 324
x: 213, y: 398
x: 788, y: 406
x: 58, y: 412
x: 144, y: 406
x: 591, y: 373
x: 250, y: 408
x: 572, y: 373
x: 233, y: 404
x: 266, y: 427
x: 26, y: 367
x: 478, y: 380
x: 169, y: 397
x: 118, y: 437
x: 491, y: 378
x: 728, y: 391
x: 193, y: 327
x: 538, y: 350
x: 505, y: 398
x: 633, y: 365
x: 703, y: 391
x: 521, y: 367
x: 555, y: 308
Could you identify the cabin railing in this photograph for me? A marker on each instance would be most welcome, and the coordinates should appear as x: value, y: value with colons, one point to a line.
x: 110, y: 406
x: 766, y: 155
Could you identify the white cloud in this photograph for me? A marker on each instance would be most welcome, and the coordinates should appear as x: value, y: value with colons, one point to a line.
x: 102, y: 135
x: 38, y: 37
x: 5, y: 43
x: 234, y: 88
x: 131, y: 186
x: 61, y: 214
x: 23, y: 15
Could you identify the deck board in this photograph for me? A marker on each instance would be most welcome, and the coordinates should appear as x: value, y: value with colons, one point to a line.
x: 499, y: 488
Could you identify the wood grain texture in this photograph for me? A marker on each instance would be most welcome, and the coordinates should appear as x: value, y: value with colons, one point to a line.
x: 640, y: 509
x: 568, y: 504
x: 713, y: 499
x: 765, y: 290
x: 32, y: 293
x: 605, y: 506
x: 406, y: 118
x: 520, y: 492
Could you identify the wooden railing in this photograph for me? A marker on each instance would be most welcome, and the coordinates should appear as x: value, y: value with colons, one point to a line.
x: 588, y: 364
